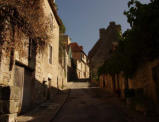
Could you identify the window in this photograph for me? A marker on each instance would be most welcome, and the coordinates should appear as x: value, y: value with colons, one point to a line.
x: 0, y: 57
x: 51, y: 22
x: 30, y: 53
x: 50, y: 54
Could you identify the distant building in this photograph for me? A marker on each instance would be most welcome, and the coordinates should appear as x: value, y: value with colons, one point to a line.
x: 80, y: 62
x: 103, y: 48
x: 65, y: 57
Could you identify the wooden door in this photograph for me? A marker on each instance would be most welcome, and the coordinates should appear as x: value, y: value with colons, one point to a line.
x: 19, y: 82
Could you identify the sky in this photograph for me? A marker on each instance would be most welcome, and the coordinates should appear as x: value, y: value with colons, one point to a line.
x: 84, y: 18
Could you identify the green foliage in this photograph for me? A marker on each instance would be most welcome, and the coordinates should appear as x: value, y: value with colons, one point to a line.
x: 56, y: 6
x: 140, y: 43
x: 62, y: 48
x: 62, y: 28
x: 144, y: 20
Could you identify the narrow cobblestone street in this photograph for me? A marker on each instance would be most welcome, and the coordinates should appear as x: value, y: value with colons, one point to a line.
x: 92, y: 104
x: 79, y: 61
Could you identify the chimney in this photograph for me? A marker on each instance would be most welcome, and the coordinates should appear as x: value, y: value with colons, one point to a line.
x: 101, y: 33
x: 112, y: 23
x: 81, y: 47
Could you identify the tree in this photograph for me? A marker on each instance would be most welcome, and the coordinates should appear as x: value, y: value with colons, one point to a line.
x: 138, y: 44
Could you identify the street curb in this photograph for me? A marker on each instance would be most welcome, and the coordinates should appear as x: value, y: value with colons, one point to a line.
x: 60, y: 108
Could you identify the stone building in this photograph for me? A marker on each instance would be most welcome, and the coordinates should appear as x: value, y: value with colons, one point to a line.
x: 103, y: 48
x: 28, y: 80
x: 141, y: 91
x: 80, y: 62
x: 65, y: 56
x: 68, y: 56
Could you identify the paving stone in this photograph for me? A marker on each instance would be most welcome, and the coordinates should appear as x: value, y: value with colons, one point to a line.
x: 46, y: 111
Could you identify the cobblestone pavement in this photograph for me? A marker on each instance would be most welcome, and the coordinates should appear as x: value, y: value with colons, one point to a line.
x: 46, y: 111
x: 92, y: 104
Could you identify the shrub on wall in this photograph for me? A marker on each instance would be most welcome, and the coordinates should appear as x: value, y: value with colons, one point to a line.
x: 25, y: 15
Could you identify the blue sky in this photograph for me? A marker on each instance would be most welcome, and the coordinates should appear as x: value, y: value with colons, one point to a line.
x: 84, y: 18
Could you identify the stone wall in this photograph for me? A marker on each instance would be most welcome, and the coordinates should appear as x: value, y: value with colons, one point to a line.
x: 106, y: 81
x: 49, y: 69
x: 10, y: 93
x: 143, y: 80
x: 62, y: 78
x: 9, y: 103
x: 65, y: 59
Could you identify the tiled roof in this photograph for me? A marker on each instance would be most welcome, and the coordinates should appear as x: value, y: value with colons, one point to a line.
x: 75, y: 47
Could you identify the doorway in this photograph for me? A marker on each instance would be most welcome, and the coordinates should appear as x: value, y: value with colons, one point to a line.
x: 19, y: 82
x: 23, y: 80
x: 49, y: 89
x: 27, y: 91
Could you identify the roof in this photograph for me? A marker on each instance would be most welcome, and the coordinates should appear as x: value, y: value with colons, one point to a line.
x: 52, y: 5
x: 112, y: 26
x: 76, y: 48
x: 94, y: 49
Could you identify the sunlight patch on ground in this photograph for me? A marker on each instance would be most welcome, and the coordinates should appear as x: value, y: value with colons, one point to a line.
x: 25, y: 118
x: 80, y: 85
x: 84, y: 87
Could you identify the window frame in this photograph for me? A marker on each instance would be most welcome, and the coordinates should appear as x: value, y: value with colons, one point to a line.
x: 50, y: 56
